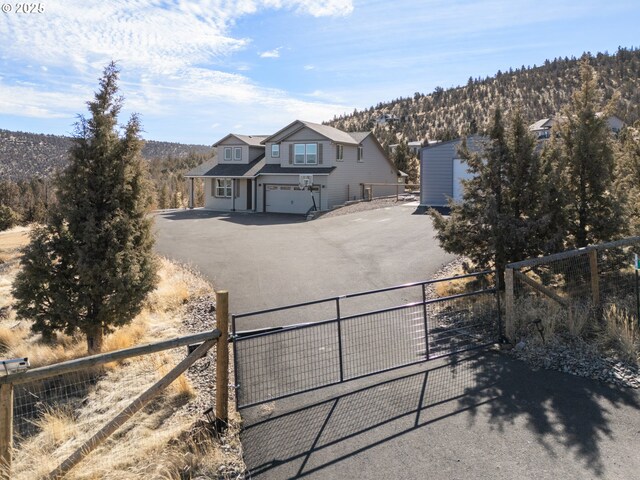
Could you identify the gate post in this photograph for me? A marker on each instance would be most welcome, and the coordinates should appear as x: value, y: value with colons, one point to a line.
x: 509, y: 307
x: 6, y: 430
x: 222, y: 356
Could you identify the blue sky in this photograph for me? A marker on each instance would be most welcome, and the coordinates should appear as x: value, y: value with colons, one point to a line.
x: 197, y: 70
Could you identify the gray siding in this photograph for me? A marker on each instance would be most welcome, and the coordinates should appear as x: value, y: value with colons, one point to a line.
x: 345, y: 181
x: 226, y: 204
x: 436, y: 171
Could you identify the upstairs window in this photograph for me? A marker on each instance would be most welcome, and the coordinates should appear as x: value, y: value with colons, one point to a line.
x: 237, y: 154
x: 305, y: 153
x: 360, y: 153
x: 275, y: 150
x: 339, y: 152
x: 227, y: 154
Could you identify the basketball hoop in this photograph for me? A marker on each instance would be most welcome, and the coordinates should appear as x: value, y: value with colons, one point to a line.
x: 305, y: 182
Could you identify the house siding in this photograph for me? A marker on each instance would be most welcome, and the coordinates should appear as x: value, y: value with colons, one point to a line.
x: 226, y: 204
x: 346, y: 179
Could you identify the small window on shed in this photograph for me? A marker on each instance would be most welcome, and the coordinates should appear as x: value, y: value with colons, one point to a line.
x: 360, y: 153
x: 339, y: 152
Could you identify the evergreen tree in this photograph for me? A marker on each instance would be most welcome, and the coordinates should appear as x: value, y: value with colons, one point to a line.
x: 627, y: 184
x: 401, y: 156
x: 91, y: 266
x: 498, y: 220
x: 586, y: 156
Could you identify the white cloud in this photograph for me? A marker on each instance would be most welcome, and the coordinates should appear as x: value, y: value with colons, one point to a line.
x: 309, y: 67
x: 275, y: 53
x: 166, y: 51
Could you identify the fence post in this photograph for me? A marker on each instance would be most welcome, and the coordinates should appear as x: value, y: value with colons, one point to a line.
x: 509, y: 305
x: 595, y: 279
x: 6, y: 430
x: 222, y: 356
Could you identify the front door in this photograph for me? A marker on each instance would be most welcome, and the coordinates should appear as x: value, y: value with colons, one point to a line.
x: 249, y: 195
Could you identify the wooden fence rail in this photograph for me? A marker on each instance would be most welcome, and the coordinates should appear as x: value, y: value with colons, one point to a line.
x: 206, y: 341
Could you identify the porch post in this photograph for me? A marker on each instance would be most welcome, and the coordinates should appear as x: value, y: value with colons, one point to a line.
x: 233, y: 194
x: 192, y: 196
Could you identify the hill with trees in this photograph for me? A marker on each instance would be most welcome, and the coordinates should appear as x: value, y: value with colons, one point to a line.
x: 24, y: 156
x: 539, y: 91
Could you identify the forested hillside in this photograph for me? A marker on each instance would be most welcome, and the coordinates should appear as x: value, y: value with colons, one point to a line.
x: 541, y: 91
x: 28, y: 155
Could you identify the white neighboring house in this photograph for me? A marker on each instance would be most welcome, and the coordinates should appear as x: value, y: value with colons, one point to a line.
x: 264, y: 173
x: 542, y: 128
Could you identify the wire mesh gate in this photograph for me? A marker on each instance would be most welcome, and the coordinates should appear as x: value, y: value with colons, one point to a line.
x: 278, y: 362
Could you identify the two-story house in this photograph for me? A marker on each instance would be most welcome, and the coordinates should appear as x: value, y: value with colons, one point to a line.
x: 268, y: 173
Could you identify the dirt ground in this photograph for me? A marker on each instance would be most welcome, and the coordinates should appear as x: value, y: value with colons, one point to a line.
x: 11, y: 241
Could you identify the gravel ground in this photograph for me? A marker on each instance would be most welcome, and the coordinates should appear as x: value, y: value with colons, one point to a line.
x: 563, y: 354
x: 364, y: 206
x: 199, y: 317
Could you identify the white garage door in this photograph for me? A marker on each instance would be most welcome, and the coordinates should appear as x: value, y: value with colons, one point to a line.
x: 460, y: 172
x: 289, y: 199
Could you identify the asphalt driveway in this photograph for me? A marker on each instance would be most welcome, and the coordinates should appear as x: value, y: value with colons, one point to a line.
x: 268, y: 260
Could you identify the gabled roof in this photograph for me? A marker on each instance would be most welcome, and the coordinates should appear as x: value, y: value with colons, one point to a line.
x: 326, y: 131
x: 251, y: 140
x: 542, y: 124
x: 230, y: 169
x: 359, y: 136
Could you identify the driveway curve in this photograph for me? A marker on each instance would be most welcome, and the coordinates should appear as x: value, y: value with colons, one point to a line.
x: 268, y: 260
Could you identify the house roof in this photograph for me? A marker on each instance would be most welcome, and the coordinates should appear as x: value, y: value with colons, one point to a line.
x: 251, y: 140
x: 326, y: 131
x: 542, y: 124
x: 359, y: 136
x: 276, y: 169
x: 231, y: 169
x: 201, y: 169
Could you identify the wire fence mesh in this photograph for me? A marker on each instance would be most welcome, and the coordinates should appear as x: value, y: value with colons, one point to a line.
x: 284, y: 361
x: 564, y: 290
x: 53, y: 417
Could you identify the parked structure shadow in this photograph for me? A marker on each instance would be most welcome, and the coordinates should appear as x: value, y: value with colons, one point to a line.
x: 564, y: 413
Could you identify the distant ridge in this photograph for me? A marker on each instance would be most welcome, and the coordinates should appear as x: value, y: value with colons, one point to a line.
x: 27, y: 155
x: 541, y: 91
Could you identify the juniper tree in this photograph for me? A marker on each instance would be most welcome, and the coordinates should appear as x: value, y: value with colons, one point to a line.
x: 91, y: 265
x: 499, y: 220
x: 586, y: 159
x: 627, y: 183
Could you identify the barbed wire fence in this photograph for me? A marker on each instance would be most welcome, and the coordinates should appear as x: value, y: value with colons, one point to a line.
x: 568, y: 289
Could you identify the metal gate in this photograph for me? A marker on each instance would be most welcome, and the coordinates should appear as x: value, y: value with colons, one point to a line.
x: 350, y: 341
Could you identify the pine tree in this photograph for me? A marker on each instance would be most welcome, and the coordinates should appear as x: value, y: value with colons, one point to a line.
x: 586, y: 156
x: 627, y: 184
x: 91, y: 266
x: 498, y: 220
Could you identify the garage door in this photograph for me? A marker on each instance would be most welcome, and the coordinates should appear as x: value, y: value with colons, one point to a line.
x: 289, y: 199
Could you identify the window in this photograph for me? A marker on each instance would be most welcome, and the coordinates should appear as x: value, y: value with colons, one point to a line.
x: 223, y: 187
x: 339, y: 152
x: 275, y: 150
x: 237, y: 153
x: 360, y: 153
x: 227, y: 154
x: 305, y: 153
x: 312, y: 153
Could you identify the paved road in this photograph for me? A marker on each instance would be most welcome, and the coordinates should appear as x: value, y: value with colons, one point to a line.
x: 267, y: 260
x: 485, y: 416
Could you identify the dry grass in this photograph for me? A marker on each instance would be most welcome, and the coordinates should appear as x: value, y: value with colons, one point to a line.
x: 620, y: 333
x: 453, y: 287
x: 146, y: 446
x: 11, y: 241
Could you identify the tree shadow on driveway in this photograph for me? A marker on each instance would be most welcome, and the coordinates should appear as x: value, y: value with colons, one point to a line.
x: 240, y: 218
x: 482, y: 415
